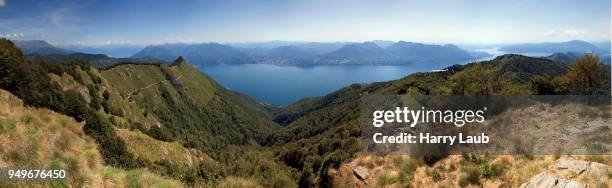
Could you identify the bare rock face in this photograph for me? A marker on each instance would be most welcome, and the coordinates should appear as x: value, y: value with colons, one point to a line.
x: 361, y: 172
x: 598, y: 168
x: 550, y: 180
x: 543, y: 179
x: 575, y: 166
x: 570, y: 184
x: 579, y: 168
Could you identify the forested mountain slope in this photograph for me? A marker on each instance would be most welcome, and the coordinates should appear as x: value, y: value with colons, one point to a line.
x: 168, y: 118
x: 322, y: 132
x: 197, y: 111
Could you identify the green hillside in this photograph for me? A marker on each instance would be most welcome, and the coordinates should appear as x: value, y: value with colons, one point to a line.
x: 196, y: 110
x: 168, y: 118
x: 323, y: 132
x: 177, y: 122
x: 43, y: 139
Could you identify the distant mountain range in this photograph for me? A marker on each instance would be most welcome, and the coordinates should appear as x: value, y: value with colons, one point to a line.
x: 569, y: 57
x: 112, y: 50
x: 40, y: 47
x: 96, y: 60
x: 307, y: 54
x: 38, y: 50
x: 554, y: 47
x: 417, y: 52
x: 303, y: 53
x: 202, y: 53
x: 361, y: 53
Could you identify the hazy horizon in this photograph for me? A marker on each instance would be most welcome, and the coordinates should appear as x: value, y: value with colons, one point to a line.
x: 96, y: 22
x: 283, y: 41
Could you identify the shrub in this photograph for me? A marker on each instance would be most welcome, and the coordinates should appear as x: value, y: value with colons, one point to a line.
x: 587, y: 113
x: 6, y: 125
x: 384, y: 178
x: 435, y: 174
x: 498, y: 169
x: 486, y: 170
x: 106, y: 95
x: 95, y: 100
x: 114, y: 150
x: 471, y: 176
x: 541, y: 85
x: 407, y: 170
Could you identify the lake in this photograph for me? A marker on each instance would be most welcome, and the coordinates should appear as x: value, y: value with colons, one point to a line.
x: 283, y: 85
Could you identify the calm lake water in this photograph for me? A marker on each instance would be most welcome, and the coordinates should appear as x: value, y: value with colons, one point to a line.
x: 282, y: 85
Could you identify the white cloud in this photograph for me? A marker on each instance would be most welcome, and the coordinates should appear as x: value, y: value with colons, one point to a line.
x: 12, y: 35
x: 2, y: 3
x: 551, y: 33
x: 569, y: 34
x: 574, y: 33
x: 112, y: 42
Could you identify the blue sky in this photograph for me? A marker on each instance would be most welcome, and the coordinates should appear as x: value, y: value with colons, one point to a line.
x: 142, y: 22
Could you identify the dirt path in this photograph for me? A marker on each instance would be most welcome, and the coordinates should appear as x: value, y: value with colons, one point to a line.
x: 130, y: 94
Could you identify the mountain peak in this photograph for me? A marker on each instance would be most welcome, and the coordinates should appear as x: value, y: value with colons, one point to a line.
x: 364, y: 45
x: 40, y: 47
x: 401, y: 42
x: 578, y: 42
x: 179, y: 61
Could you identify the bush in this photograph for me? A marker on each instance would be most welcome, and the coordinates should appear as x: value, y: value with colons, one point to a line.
x: 435, y: 174
x: 407, y: 170
x: 471, y: 176
x: 497, y: 169
x: 106, y: 95
x: 541, y: 85
x: 95, y: 100
x: 114, y: 150
x: 587, y: 113
x: 6, y: 125
x: 384, y: 178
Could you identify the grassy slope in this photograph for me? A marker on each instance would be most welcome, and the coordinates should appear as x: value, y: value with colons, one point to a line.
x: 194, y: 109
x: 130, y: 112
x: 41, y: 138
x: 146, y: 147
x: 198, y: 113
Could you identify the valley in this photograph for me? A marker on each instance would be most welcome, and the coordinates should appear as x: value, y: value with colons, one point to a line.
x: 305, y: 94
x: 181, y: 124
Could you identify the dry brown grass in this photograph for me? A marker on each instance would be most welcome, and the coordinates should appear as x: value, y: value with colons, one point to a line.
x: 237, y: 182
x: 41, y: 139
x: 447, y: 172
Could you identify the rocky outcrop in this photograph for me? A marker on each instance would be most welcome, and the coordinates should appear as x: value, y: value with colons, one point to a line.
x: 550, y: 180
x: 575, y: 166
x: 578, y: 168
x: 361, y: 172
